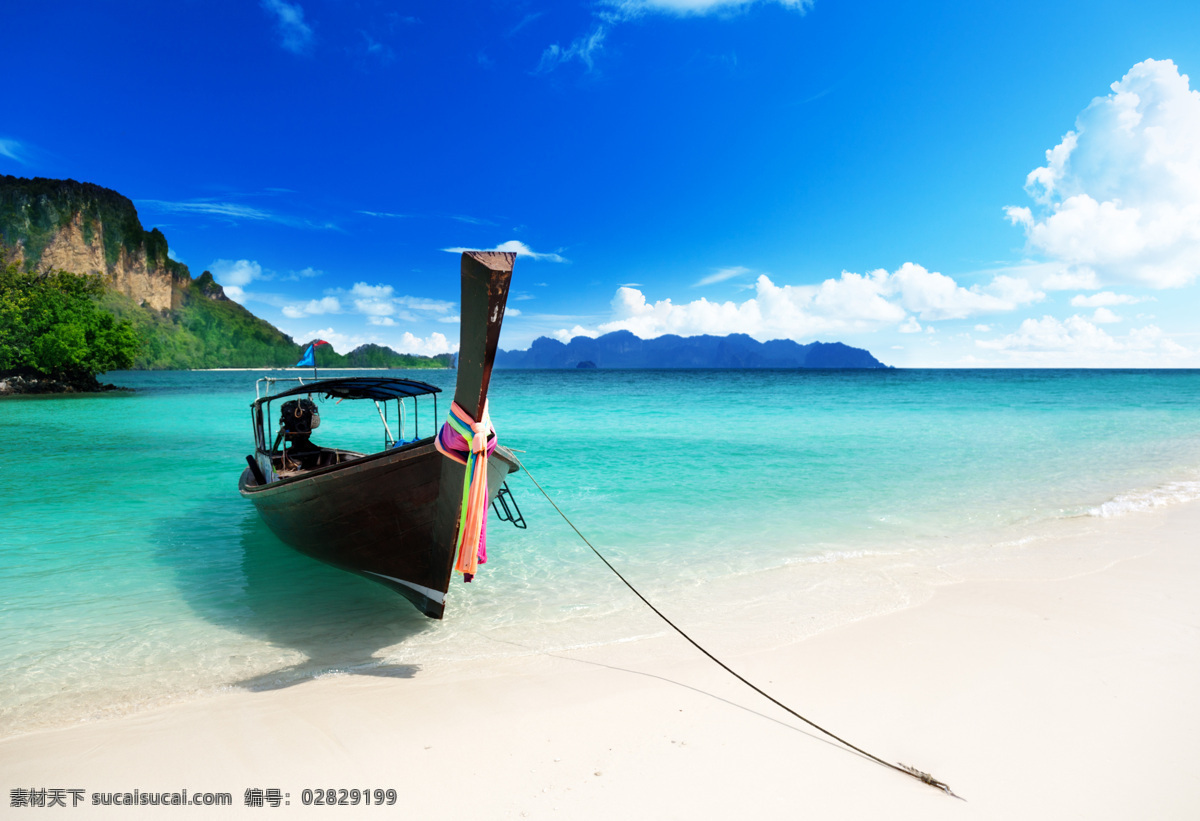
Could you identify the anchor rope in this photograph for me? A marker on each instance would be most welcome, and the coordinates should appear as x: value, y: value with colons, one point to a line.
x: 912, y: 772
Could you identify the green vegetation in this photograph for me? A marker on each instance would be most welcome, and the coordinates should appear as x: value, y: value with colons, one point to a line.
x: 208, y: 330
x: 377, y: 356
x: 203, y: 332
x: 51, y: 326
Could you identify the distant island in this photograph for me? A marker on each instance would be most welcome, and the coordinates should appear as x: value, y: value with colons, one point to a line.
x: 85, y: 288
x: 622, y: 349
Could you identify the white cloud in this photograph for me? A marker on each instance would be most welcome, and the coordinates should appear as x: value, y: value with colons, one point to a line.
x: 720, y: 276
x: 513, y: 247
x: 431, y: 345
x: 362, y: 289
x: 983, y: 329
x: 588, y: 47
x: 296, y: 35
x: 1119, y: 197
x: 910, y: 326
x: 1104, y: 299
x: 436, y: 306
x: 235, y: 275
x: 386, y: 321
x: 636, y: 8
x: 935, y: 296
x: 374, y: 307
x: 220, y: 209
x: 435, y: 343
x: 1077, y: 342
x: 314, y: 307
x: 578, y: 330
x: 852, y: 302
x: 382, y: 214
x: 342, y: 343
x: 583, y: 48
x: 1104, y: 316
x: 13, y: 150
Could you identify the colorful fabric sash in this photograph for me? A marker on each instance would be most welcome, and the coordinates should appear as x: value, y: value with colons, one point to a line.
x: 469, y: 443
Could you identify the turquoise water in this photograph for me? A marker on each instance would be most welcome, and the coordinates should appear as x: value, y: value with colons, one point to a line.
x: 133, y: 574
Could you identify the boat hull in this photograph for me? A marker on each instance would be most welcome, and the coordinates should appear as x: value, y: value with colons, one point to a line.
x: 374, y: 516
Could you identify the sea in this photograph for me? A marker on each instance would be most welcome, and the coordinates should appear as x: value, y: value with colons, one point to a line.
x: 133, y: 575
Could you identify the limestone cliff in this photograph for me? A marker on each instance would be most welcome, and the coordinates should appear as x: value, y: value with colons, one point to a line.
x: 87, y: 229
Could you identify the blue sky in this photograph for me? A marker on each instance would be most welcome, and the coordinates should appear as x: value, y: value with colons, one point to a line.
x: 943, y: 183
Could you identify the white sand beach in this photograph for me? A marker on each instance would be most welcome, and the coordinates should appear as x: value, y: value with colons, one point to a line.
x: 1056, y: 681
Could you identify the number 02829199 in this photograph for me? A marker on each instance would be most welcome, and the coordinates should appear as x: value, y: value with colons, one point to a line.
x: 347, y: 798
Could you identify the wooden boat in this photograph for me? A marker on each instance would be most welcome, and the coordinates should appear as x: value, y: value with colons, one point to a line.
x: 392, y: 515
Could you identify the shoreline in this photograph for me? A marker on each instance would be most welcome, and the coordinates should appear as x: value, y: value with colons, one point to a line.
x: 1045, y: 681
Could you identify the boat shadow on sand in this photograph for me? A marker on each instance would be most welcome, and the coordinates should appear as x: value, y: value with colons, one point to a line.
x: 235, y: 574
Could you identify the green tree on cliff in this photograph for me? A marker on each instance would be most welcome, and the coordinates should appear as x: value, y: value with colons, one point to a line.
x: 51, y: 326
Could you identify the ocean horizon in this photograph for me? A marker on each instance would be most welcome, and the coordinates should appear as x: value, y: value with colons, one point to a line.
x: 135, y: 575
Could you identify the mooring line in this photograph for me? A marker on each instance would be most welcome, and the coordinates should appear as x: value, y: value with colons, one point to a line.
x: 912, y: 772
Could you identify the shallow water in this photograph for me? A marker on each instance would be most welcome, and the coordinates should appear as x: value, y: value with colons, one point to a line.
x: 133, y: 573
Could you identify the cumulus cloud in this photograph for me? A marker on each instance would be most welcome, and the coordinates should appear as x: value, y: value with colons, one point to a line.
x: 513, y: 247
x: 235, y: 275
x: 435, y: 343
x: 1119, y: 197
x: 434, y: 306
x: 374, y: 307
x: 852, y: 302
x: 431, y: 345
x: 1104, y: 299
x: 910, y: 326
x: 341, y: 342
x: 365, y: 291
x: 1077, y: 341
x: 296, y: 35
x: 1104, y: 316
x: 314, y: 307
x: 381, y: 306
x: 567, y: 335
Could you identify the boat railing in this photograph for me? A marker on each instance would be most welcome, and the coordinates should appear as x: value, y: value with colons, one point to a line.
x: 263, y: 386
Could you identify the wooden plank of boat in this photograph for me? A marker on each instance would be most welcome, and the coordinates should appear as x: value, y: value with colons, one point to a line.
x: 393, y: 516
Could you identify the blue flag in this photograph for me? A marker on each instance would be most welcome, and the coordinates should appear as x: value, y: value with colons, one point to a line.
x: 309, y: 360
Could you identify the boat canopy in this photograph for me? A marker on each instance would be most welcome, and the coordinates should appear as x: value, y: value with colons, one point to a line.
x: 379, y: 388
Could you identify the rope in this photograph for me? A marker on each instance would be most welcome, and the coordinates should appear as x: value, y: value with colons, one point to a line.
x: 467, y: 442
x: 912, y: 772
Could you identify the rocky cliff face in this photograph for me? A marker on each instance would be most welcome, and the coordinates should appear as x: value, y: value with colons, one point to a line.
x: 87, y: 229
x: 69, y: 250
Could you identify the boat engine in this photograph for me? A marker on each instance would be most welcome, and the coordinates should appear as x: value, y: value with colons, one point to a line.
x: 299, y: 416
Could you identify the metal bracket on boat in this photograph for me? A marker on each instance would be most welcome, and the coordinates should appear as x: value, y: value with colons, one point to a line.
x: 506, y: 508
